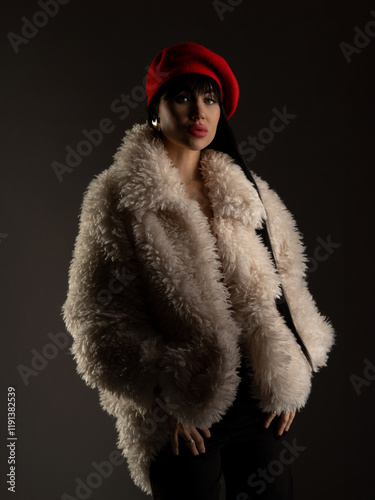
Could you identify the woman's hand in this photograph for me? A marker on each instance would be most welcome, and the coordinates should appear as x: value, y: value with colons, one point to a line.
x: 187, y: 433
x: 286, y: 420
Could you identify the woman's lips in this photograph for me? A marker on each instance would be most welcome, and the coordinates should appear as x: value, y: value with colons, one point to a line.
x: 198, y: 130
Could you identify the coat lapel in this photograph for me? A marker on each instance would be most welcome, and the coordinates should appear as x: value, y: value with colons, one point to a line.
x: 150, y: 182
x: 210, y: 267
x: 202, y: 256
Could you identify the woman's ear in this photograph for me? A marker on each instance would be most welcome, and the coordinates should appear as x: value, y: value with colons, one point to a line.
x: 156, y: 123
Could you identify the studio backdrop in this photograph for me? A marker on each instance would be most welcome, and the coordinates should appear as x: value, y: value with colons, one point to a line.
x: 73, y: 81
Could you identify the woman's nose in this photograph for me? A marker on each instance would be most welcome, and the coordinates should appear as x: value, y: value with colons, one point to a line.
x: 197, y: 109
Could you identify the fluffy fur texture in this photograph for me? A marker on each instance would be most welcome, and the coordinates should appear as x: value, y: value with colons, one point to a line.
x: 162, y: 301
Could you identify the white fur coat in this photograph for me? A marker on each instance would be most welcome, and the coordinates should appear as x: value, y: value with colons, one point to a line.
x: 161, y: 301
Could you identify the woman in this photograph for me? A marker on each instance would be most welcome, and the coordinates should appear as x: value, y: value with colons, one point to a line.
x: 187, y: 297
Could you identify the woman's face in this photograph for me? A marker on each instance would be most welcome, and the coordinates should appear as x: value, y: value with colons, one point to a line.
x: 189, y: 120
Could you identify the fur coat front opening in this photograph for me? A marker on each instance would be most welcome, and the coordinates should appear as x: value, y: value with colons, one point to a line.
x: 162, y: 301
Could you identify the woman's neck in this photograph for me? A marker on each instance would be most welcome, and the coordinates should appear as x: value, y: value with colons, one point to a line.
x: 186, y: 161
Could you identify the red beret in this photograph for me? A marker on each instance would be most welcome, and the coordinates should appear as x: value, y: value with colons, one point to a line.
x: 189, y: 57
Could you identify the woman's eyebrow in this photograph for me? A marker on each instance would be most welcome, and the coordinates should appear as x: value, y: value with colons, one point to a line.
x: 191, y: 91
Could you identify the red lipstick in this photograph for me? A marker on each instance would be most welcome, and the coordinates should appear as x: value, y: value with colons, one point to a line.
x: 198, y: 130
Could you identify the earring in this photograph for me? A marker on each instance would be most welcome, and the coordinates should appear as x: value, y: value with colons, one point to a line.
x: 156, y: 124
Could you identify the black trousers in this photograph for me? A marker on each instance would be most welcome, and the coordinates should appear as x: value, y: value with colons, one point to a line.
x: 242, y: 461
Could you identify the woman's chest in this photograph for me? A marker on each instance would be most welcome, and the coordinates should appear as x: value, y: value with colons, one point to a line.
x: 197, y: 191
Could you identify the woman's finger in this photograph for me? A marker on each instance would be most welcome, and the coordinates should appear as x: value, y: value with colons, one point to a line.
x: 285, y: 422
x: 206, y: 432
x: 291, y: 418
x: 270, y: 417
x: 282, y: 423
x: 190, y: 442
x: 174, y: 441
x: 198, y: 439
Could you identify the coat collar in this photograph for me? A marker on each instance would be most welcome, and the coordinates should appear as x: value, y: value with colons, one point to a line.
x: 148, y: 180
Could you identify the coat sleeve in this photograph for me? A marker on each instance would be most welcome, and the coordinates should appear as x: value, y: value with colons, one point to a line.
x: 314, y: 328
x: 115, y: 344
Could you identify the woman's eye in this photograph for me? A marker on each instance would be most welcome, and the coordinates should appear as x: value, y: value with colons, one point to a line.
x: 181, y: 98
x: 184, y: 98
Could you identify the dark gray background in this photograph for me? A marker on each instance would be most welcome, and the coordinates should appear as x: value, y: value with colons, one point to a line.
x: 64, y: 80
